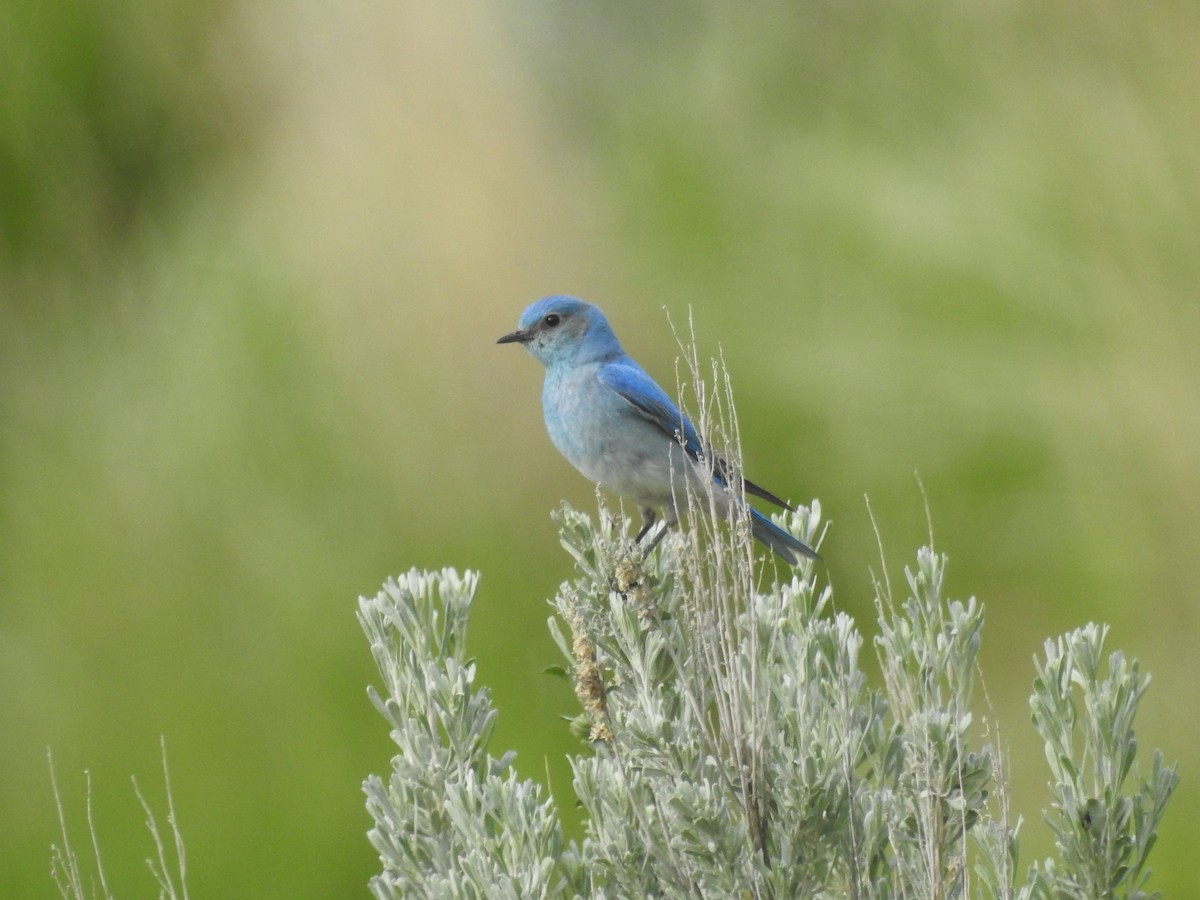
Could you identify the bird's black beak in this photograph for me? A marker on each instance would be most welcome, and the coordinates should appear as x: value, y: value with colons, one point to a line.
x: 516, y: 337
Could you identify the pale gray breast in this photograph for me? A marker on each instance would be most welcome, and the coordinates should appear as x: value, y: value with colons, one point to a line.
x: 603, y: 437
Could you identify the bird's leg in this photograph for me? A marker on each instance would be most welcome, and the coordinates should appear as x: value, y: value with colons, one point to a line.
x: 669, y: 522
x: 648, y: 518
x: 654, y: 541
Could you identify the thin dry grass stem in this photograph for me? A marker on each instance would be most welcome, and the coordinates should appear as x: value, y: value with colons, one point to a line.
x: 95, y: 837
x: 882, y: 589
x: 161, y: 871
x: 64, y: 864
x: 1001, y: 830
x: 925, y: 502
x: 719, y: 564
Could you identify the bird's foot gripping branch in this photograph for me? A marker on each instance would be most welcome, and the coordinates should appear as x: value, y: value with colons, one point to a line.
x: 735, y: 747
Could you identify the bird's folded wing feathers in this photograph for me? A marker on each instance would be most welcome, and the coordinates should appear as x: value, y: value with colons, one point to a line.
x: 651, y: 402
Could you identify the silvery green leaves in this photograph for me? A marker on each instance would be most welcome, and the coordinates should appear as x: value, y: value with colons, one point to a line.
x: 1103, y: 828
x: 734, y: 746
x: 939, y: 788
x: 743, y: 751
x: 451, y: 820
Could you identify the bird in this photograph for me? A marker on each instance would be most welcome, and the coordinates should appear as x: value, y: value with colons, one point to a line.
x: 622, y: 431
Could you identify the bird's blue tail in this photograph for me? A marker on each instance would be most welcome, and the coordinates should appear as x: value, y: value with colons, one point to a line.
x: 779, y: 540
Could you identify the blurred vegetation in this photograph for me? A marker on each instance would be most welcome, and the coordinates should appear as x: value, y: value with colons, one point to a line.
x: 253, y: 259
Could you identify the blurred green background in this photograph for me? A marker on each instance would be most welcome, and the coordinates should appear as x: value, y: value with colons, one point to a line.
x: 253, y: 259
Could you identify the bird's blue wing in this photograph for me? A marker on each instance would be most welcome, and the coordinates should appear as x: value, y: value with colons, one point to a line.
x: 640, y: 391
x: 648, y: 400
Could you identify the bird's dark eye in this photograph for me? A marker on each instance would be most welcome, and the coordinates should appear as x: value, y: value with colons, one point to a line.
x: 551, y: 320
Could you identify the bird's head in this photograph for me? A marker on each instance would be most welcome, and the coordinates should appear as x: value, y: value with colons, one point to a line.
x: 563, y: 329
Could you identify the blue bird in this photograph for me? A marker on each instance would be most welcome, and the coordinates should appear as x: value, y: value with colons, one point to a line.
x: 620, y: 429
